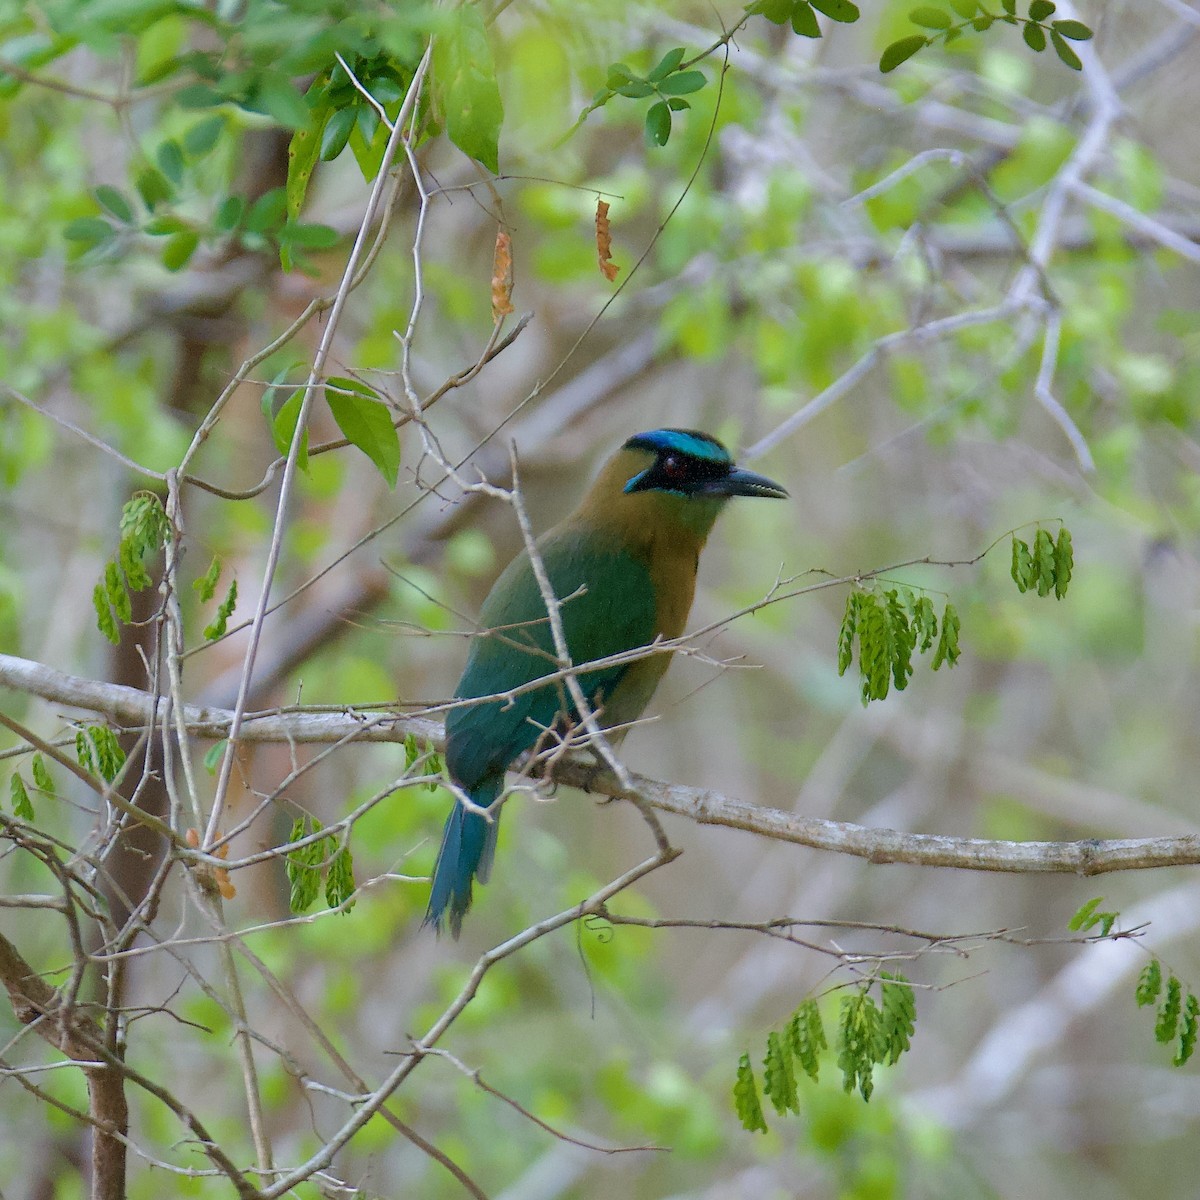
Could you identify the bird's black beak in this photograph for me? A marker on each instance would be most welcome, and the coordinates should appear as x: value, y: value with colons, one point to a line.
x: 740, y: 482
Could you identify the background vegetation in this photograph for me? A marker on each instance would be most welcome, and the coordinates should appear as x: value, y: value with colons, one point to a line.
x: 939, y: 304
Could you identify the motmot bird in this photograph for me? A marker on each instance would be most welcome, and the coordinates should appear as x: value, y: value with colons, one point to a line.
x: 623, y: 566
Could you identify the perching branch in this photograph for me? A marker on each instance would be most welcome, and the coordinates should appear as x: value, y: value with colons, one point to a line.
x: 1087, y: 857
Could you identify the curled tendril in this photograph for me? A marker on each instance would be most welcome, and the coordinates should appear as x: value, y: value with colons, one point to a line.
x: 601, y: 926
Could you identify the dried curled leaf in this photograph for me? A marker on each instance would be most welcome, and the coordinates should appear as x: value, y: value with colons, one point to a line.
x: 608, y: 268
x: 502, y: 275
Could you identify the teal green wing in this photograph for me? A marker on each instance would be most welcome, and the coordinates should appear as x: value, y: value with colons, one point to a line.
x: 613, y: 612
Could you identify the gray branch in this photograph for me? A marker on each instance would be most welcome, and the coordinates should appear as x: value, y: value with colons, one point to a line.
x: 131, y: 707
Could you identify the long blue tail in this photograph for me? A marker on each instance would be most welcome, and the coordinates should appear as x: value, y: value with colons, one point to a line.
x: 468, y: 847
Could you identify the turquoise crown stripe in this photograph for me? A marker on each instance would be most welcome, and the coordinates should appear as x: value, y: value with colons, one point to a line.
x: 682, y: 441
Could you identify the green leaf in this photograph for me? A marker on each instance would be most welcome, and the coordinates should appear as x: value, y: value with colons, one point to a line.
x: 668, y: 63
x: 23, y: 809
x: 41, y: 776
x: 925, y: 622
x: 858, y: 1043
x: 898, y: 1016
x: 745, y: 1098
x: 1023, y: 572
x: 280, y: 100
x: 337, y: 133
x: 92, y: 230
x: 901, y: 51
x: 1039, y: 10
x: 1035, y: 37
x: 779, y: 1079
x: 778, y: 12
x: 214, y: 754
x: 682, y: 84
x: 465, y: 80
x: 1188, y: 1029
x: 130, y: 559
x: 98, y: 751
x: 203, y: 136
x: 1077, y: 31
x: 1167, y: 1022
x: 304, y: 149
x: 179, y: 249
x: 153, y: 187
x: 947, y: 648
x: 846, y: 633
x: 304, y: 865
x: 164, y: 225
x: 1044, y: 562
x: 1084, y: 918
x: 930, y: 18
x: 169, y: 157
x: 875, y: 647
x: 804, y: 20
x: 965, y: 8
x: 902, y: 640
x: 837, y: 10
x: 678, y: 104
x: 308, y: 237
x: 118, y: 595
x: 806, y: 1037
x: 1149, y: 984
x: 229, y: 214
x: 220, y: 622
x: 339, y: 880
x: 1009, y: 6
x: 206, y: 585
x: 104, y: 617
x: 283, y: 427
x: 636, y: 89
x: 1064, y: 562
x: 115, y: 202
x: 658, y: 124
x: 1065, y: 53
x: 367, y: 424
x: 267, y: 212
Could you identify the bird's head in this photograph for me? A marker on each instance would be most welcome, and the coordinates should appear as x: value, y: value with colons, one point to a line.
x: 688, y: 463
x: 669, y: 483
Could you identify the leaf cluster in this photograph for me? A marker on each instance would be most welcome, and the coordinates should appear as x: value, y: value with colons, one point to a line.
x: 413, y: 753
x: 668, y: 82
x: 144, y: 529
x: 869, y: 1033
x: 976, y: 16
x: 1178, y: 1016
x: 96, y: 750
x: 1088, y: 917
x: 891, y: 626
x: 1046, y: 566
x: 308, y: 864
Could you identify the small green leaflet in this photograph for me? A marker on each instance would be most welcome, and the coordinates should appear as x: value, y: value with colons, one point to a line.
x: 21, y: 805
x: 41, y: 776
x: 745, y: 1098
x: 220, y: 622
x: 367, y: 423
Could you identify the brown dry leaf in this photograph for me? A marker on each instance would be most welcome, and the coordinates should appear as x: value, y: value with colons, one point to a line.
x: 502, y: 276
x: 604, y: 242
x: 210, y: 876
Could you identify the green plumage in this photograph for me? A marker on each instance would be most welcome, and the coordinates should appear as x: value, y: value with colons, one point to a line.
x: 623, y: 566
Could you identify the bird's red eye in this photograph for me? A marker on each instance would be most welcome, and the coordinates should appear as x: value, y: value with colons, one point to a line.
x: 673, y: 467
